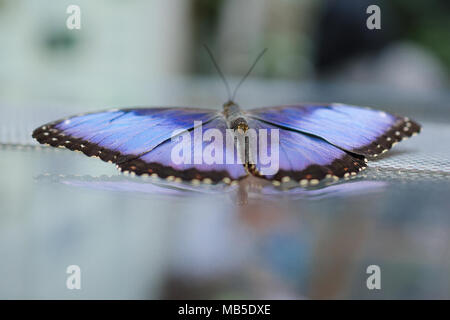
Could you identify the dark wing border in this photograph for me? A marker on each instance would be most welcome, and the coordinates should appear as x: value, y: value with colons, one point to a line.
x: 345, y: 167
x: 403, y: 128
x: 48, y: 134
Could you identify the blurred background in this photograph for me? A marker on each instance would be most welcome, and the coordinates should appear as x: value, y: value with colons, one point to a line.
x: 135, y: 242
x: 153, y: 52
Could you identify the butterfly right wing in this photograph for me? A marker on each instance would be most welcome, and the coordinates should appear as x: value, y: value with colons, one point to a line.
x: 302, y: 158
x: 363, y: 131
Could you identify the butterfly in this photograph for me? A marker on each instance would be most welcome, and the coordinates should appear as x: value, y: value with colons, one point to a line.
x: 313, y: 141
x: 316, y: 141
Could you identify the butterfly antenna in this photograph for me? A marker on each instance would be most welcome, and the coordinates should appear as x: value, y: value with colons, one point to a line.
x: 218, y: 70
x: 248, y: 73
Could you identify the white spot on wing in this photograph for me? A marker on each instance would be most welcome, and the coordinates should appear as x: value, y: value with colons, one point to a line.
x: 285, y: 179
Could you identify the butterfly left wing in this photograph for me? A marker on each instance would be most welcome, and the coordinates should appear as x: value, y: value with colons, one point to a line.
x: 117, y: 135
x: 137, y: 139
x: 212, y: 167
x: 303, y: 158
x: 363, y: 131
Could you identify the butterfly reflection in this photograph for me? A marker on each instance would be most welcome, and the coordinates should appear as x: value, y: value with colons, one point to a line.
x: 252, y: 188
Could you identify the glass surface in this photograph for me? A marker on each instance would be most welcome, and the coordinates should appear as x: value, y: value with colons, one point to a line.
x: 136, y: 238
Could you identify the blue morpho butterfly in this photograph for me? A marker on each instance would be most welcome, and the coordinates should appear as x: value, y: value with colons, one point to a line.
x: 316, y: 141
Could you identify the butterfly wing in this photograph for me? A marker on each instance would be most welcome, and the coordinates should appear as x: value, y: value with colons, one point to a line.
x: 161, y: 161
x: 363, y: 131
x: 121, y: 136
x: 304, y: 158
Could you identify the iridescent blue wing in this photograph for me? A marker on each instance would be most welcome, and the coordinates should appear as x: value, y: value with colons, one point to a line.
x: 121, y: 136
x: 304, y: 158
x: 363, y: 131
x: 161, y: 161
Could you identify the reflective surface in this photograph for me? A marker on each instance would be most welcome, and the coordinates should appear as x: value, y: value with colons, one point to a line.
x: 135, y: 238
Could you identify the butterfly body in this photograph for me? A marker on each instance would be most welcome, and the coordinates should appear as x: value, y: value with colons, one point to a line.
x: 316, y: 142
x: 235, y: 117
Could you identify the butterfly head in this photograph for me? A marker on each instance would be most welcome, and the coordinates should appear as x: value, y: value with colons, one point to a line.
x: 235, y: 117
